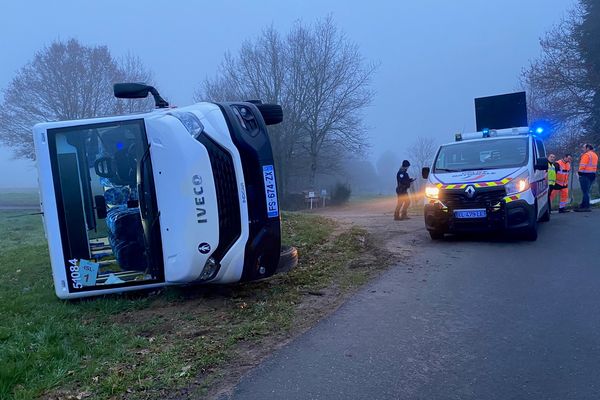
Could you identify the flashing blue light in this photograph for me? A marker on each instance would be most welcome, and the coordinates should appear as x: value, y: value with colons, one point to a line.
x: 485, y: 131
x: 541, y: 128
x: 119, y: 145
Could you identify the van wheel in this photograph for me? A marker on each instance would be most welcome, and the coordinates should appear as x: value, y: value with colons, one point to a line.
x: 546, y: 216
x: 288, y: 259
x: 531, y: 232
x: 436, y: 235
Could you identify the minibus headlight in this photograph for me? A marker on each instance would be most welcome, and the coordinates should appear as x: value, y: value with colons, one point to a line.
x: 518, y: 184
x: 210, y: 269
x: 432, y: 192
x: 190, y: 121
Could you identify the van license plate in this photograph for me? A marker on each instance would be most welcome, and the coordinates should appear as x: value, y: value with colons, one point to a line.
x: 476, y: 213
x: 270, y: 191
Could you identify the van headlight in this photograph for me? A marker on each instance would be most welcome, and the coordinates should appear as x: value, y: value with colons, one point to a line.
x: 432, y: 192
x: 190, y: 121
x: 211, y: 267
x: 518, y: 184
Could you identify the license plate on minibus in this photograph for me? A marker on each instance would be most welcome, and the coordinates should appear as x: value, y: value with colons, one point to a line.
x: 475, y: 213
x: 270, y: 191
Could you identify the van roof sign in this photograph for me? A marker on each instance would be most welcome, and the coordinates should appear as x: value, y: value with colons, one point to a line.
x: 501, y: 111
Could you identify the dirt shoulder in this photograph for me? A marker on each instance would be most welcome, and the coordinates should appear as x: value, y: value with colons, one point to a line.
x: 382, y: 243
x: 377, y: 217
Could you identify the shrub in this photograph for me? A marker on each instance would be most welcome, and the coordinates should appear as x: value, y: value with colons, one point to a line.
x: 293, y: 202
x: 340, y: 194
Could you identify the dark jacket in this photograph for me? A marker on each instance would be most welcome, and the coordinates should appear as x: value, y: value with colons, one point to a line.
x: 403, y: 181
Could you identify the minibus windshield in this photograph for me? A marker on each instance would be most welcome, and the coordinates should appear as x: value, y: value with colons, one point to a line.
x: 482, y: 154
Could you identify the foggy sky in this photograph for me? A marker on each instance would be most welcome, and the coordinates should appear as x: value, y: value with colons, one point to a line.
x: 435, y: 56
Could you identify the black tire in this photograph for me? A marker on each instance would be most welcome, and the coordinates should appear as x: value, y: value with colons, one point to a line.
x: 546, y: 215
x: 531, y: 232
x: 271, y: 113
x: 436, y: 235
x: 288, y: 259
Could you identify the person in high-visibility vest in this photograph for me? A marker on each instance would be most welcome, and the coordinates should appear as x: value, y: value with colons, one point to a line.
x: 562, y: 182
x: 588, y: 165
x: 551, y: 178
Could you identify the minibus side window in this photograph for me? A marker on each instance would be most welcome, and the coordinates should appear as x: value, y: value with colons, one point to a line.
x: 540, y: 149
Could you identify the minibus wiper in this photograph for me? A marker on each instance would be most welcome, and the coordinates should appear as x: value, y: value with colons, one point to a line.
x: 447, y: 170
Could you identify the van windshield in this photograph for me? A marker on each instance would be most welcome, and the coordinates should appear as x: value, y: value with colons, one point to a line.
x: 482, y: 154
x: 106, y: 205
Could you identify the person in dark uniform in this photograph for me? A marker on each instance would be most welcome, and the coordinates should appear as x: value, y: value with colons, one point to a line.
x: 403, y: 182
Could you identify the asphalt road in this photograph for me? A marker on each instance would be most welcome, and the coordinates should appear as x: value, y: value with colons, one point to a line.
x: 465, y: 319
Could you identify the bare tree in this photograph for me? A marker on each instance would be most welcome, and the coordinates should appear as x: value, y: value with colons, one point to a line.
x: 65, y: 80
x: 338, y: 91
x: 262, y: 70
x: 132, y: 69
x: 320, y: 79
x: 557, y: 83
x: 421, y: 153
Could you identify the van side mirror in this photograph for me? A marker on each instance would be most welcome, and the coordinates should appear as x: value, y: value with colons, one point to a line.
x: 425, y: 172
x: 138, y: 91
x: 541, y: 164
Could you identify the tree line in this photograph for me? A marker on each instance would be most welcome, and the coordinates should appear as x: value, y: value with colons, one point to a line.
x: 563, y: 83
x: 319, y: 76
x: 314, y: 71
x: 322, y: 81
x: 66, y: 80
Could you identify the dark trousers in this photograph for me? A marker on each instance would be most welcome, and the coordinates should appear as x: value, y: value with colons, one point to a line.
x: 402, y: 204
x: 550, y: 189
x: 585, y: 181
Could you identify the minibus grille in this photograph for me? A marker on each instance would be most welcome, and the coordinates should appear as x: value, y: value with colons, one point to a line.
x: 482, y: 198
x: 228, y: 203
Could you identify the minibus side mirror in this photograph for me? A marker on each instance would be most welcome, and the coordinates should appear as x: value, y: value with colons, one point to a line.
x: 541, y: 164
x: 425, y: 172
x: 138, y: 91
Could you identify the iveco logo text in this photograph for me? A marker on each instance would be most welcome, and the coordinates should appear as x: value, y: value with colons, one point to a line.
x: 199, y: 199
x: 470, y: 191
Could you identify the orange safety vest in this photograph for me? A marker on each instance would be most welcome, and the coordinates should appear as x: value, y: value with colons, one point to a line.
x: 588, y: 162
x: 562, y: 173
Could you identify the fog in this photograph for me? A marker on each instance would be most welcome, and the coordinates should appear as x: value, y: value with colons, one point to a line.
x: 435, y: 56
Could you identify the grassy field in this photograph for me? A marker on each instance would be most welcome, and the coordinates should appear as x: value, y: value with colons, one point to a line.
x: 19, y: 197
x: 183, y: 341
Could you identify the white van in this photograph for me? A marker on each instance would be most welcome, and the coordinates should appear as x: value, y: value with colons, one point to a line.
x: 486, y: 181
x: 173, y: 196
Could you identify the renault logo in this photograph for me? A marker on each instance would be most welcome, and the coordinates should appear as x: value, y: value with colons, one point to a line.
x: 470, y: 191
